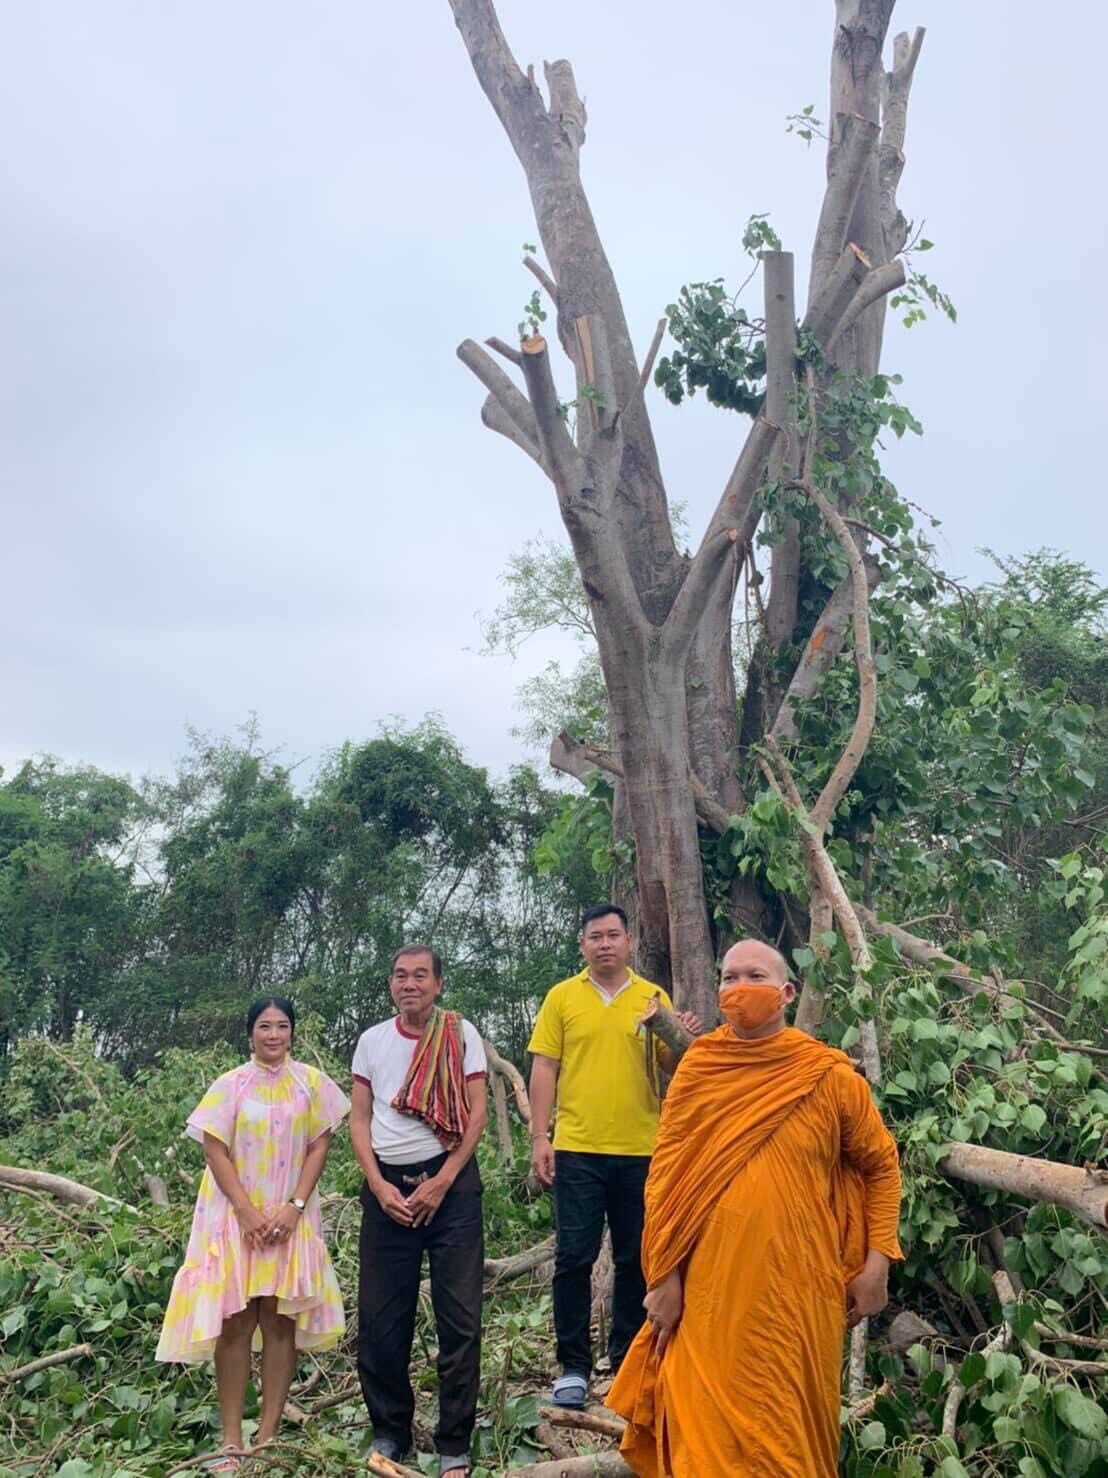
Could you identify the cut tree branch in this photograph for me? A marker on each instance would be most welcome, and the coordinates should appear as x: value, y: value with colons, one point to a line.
x: 496, y: 418
x: 510, y: 398
x: 874, y: 286
x: 555, y: 443
x: 826, y: 312
x: 62, y: 1189
x: 897, y: 87
x: 855, y: 141
x: 1076, y: 1190
x: 46, y: 1362
x: 549, y: 285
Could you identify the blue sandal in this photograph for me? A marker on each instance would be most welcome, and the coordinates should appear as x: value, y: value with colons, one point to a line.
x: 571, y: 1390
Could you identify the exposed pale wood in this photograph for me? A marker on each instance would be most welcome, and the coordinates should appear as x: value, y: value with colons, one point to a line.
x: 58, y: 1186
x: 1067, y: 1186
x: 46, y: 1362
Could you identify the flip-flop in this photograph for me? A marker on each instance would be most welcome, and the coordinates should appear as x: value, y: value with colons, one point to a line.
x: 571, y: 1390
x: 227, y: 1460
x: 453, y: 1465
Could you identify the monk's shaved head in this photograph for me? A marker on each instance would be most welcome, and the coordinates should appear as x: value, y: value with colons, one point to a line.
x: 752, y: 955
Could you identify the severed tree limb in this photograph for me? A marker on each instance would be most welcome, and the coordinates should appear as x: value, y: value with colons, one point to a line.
x: 536, y: 269
x: 12, y: 1177
x: 874, y: 286
x: 608, y: 1425
x: 513, y: 356
x: 827, y: 311
x: 384, y: 1467
x: 155, y: 1189
x: 1068, y: 1186
x: 46, y: 1362
x: 894, y: 119
x: 512, y: 400
x: 557, y: 1445
x: 956, y: 1395
x: 555, y: 443
x: 503, y: 1269
x: 496, y: 418
x: 588, y: 1465
x: 667, y: 1027
x: 855, y: 140
x: 856, y: 1369
x: 923, y: 952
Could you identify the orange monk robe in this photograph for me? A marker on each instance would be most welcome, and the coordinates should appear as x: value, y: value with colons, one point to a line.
x: 772, y: 1176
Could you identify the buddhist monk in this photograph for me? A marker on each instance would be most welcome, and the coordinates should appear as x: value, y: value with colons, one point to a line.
x: 771, y: 1220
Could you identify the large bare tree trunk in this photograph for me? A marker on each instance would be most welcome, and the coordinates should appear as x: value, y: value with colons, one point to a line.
x: 663, y: 621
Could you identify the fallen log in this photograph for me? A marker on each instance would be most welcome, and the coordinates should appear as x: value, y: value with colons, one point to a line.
x: 590, y: 1465
x: 667, y: 1027
x: 13, y: 1177
x: 1080, y: 1191
x: 501, y: 1269
x: 46, y: 1362
x: 609, y: 1425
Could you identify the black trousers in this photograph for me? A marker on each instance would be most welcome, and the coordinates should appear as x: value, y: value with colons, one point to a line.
x: 391, y: 1262
x: 588, y: 1188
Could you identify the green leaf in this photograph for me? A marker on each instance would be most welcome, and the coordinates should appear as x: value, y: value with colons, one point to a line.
x: 972, y: 1370
x: 1080, y: 1414
x: 14, y: 1320
x: 924, y: 1029
x: 1033, y: 1118
x: 952, y: 1468
x: 872, y: 1436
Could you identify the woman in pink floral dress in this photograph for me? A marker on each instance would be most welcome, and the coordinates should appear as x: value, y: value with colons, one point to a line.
x: 257, y: 1269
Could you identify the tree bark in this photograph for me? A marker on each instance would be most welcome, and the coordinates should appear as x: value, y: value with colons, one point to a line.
x: 1079, y: 1191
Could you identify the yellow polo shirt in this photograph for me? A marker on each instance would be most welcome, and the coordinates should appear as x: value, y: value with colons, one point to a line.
x: 605, y: 1103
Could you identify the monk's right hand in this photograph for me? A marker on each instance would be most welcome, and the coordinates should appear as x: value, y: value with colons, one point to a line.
x: 664, y: 1305
x: 393, y: 1204
x: 542, y: 1160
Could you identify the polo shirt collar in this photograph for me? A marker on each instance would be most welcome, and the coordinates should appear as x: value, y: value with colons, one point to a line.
x: 608, y: 996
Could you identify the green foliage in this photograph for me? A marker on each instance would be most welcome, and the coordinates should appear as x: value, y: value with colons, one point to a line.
x: 805, y: 124
x: 101, y: 1275
x: 719, y: 349
x: 534, y: 316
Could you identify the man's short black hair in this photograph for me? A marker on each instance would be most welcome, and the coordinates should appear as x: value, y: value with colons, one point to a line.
x: 601, y: 911
x: 419, y: 949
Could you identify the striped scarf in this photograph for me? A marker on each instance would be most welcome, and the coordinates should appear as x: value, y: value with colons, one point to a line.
x: 434, y: 1089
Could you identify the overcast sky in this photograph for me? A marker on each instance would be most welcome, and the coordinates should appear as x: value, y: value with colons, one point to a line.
x: 242, y: 469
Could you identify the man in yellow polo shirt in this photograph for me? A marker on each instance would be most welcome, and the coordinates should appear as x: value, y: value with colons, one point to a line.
x: 590, y: 1055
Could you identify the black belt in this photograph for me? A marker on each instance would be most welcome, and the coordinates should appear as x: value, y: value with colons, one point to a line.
x: 412, y: 1174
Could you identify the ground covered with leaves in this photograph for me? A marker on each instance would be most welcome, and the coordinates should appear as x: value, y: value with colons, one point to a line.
x: 991, y: 1359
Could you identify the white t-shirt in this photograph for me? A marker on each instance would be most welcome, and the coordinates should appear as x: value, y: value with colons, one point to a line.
x: 381, y: 1059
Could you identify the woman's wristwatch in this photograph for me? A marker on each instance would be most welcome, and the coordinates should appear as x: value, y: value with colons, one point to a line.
x: 297, y: 1202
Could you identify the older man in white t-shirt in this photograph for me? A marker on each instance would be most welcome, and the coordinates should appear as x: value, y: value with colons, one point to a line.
x: 418, y: 1109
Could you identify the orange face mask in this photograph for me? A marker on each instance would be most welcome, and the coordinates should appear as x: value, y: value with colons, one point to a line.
x: 749, y: 1005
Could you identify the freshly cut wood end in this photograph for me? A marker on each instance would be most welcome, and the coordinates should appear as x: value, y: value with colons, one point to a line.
x: 536, y: 344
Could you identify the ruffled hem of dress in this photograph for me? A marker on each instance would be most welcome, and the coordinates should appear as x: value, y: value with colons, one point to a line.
x: 299, y: 1276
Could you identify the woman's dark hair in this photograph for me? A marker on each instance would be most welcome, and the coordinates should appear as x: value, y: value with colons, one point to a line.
x: 263, y: 1003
